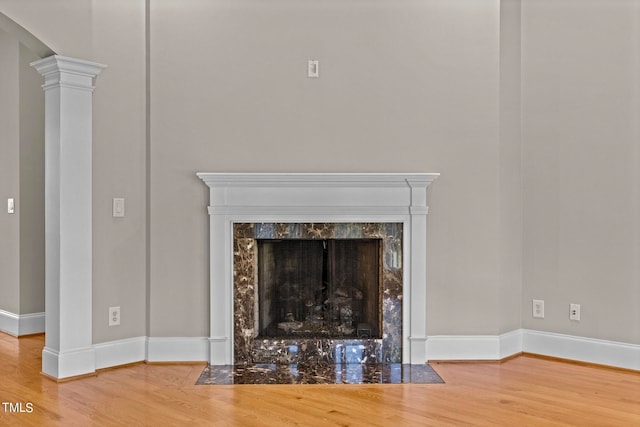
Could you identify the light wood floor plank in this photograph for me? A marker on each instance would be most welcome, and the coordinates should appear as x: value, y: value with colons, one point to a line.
x: 522, y: 391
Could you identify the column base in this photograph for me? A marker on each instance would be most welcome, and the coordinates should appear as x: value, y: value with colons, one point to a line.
x: 72, y: 363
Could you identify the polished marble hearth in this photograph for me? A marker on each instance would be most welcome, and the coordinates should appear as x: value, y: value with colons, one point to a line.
x: 319, y: 373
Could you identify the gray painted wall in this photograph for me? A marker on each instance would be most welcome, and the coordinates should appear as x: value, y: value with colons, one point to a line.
x: 119, y: 169
x: 404, y: 86
x: 510, y: 168
x: 21, y: 178
x: 31, y: 175
x: 9, y: 175
x: 581, y: 166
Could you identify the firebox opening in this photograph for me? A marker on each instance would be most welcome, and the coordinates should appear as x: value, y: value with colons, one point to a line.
x: 319, y: 288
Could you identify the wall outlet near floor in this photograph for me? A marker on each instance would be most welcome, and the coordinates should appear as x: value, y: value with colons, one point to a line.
x: 574, y: 311
x: 114, y: 316
x: 538, y: 309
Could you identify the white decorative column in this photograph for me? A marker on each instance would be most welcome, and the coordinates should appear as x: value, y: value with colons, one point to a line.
x: 68, y: 90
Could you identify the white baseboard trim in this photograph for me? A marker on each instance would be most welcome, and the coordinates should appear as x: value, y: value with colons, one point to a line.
x: 439, y: 347
x: 177, y: 349
x: 462, y: 347
x: 510, y: 343
x: 590, y: 350
x: 474, y: 347
x: 21, y: 324
x: 120, y: 352
x: 9, y: 323
x: 151, y: 349
x: 31, y: 324
x: 497, y: 347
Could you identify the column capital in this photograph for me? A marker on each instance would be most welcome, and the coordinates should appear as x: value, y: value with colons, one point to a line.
x: 65, y: 71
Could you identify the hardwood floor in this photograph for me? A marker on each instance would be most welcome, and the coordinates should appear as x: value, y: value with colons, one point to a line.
x: 522, y: 391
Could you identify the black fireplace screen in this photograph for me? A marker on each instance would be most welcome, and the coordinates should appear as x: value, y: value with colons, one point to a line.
x: 319, y: 288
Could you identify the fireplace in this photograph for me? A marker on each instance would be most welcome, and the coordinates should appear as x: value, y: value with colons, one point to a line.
x: 319, y: 288
x: 325, y: 267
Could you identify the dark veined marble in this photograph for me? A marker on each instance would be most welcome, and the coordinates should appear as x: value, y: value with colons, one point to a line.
x: 320, y: 373
x: 248, y: 349
x: 314, y: 351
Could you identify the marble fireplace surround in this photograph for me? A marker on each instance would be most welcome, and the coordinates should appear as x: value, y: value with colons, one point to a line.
x: 317, y: 198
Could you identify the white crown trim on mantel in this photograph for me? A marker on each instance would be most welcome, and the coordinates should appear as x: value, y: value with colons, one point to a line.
x: 318, y: 197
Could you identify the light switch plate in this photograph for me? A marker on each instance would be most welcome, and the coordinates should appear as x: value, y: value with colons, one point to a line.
x: 11, y: 205
x: 313, y: 69
x: 118, y: 207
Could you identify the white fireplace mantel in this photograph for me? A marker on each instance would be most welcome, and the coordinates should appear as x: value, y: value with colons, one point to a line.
x: 318, y: 197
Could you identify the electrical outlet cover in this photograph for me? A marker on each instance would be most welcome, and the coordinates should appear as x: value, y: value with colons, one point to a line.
x: 114, y: 316
x: 574, y: 312
x: 538, y: 309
